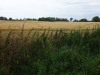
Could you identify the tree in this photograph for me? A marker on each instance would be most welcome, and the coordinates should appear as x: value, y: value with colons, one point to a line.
x: 71, y: 19
x: 75, y: 20
x: 96, y: 19
x: 52, y: 19
x: 83, y: 20
x: 10, y: 19
x: 3, y: 18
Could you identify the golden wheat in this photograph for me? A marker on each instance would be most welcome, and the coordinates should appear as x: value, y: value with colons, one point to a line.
x: 45, y: 25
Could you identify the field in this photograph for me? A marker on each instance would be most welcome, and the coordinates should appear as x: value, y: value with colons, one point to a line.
x: 16, y: 25
x: 52, y: 52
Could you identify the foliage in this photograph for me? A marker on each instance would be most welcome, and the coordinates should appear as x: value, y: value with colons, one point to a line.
x: 3, y: 18
x: 71, y: 19
x: 75, y: 20
x: 52, y: 19
x: 96, y: 19
x: 51, y: 53
x: 10, y: 19
x: 83, y: 20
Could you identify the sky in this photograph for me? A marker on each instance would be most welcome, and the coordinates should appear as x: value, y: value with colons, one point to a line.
x: 50, y: 8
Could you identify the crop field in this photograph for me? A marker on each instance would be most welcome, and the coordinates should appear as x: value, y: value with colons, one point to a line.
x: 16, y: 25
x: 49, y: 50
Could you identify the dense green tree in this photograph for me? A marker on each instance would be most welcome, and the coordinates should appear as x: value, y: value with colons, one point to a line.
x: 75, y: 20
x: 3, y: 18
x: 10, y: 19
x: 71, y: 19
x: 83, y: 20
x: 96, y: 19
x: 52, y: 19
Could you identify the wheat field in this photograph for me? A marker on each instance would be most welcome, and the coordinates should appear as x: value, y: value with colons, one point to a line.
x: 16, y: 25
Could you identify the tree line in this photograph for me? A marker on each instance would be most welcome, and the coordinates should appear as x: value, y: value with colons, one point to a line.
x: 52, y: 19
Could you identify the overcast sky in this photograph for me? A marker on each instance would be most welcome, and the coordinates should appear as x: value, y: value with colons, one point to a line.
x: 50, y: 8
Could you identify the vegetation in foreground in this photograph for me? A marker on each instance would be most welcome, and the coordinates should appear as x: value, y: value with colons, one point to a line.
x: 51, y: 53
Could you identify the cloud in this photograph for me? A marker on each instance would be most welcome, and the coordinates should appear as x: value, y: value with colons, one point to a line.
x: 54, y: 8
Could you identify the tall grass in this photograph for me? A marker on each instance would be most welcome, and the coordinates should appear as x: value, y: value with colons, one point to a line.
x: 51, y: 53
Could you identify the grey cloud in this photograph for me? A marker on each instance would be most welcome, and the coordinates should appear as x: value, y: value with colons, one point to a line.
x: 56, y: 8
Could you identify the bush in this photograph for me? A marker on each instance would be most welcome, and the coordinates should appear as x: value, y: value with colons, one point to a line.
x: 51, y: 53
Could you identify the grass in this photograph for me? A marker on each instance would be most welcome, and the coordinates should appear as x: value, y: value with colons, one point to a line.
x: 51, y: 53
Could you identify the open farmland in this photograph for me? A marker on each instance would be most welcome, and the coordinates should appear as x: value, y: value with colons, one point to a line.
x: 17, y: 25
x: 75, y: 53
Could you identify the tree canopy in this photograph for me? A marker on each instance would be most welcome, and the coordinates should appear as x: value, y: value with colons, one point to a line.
x: 52, y: 19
